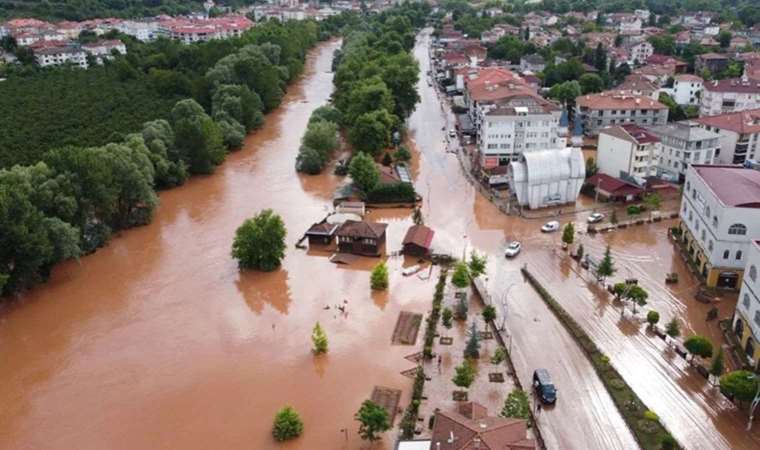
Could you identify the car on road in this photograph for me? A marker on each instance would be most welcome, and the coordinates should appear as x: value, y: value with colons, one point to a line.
x: 595, y: 218
x: 452, y: 133
x: 513, y: 248
x: 550, y: 226
x: 542, y: 384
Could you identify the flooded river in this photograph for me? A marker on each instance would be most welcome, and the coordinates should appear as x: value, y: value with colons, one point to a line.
x: 158, y: 341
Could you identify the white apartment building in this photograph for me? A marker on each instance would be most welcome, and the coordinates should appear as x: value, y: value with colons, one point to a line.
x: 55, y: 56
x: 720, y: 213
x: 747, y: 315
x: 597, y: 111
x: 521, y: 124
x: 729, y: 95
x: 640, y: 52
x: 687, y: 89
x: 740, y: 135
x: 628, y: 151
x: 103, y: 50
x: 142, y: 31
x: 547, y: 177
x: 683, y: 144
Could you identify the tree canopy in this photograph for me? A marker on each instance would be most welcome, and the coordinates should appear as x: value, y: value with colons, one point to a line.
x: 260, y: 242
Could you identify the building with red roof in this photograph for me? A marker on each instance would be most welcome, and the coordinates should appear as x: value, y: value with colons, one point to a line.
x: 472, y: 428
x: 740, y: 135
x: 598, y: 111
x: 628, y: 151
x: 729, y: 95
x: 614, y: 189
x: 418, y: 240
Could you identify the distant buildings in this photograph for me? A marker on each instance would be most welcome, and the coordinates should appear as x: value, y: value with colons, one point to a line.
x: 547, y: 177
x: 746, y: 320
x: 740, y: 135
x: 714, y: 62
x: 729, y: 95
x: 532, y: 63
x: 628, y: 151
x: 195, y: 30
x: 56, y: 54
x: 683, y: 144
x: 719, y: 215
x: 597, y: 111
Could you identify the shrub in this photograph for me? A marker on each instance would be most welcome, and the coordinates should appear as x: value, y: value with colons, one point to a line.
x: 653, y: 317
x: 489, y: 313
x: 379, y: 276
x: 516, y: 405
x: 403, y: 154
x: 392, y: 193
x: 319, y: 339
x: 461, y: 277
x: 499, y: 356
x: 287, y: 424
x: 373, y: 419
x: 651, y: 415
x: 633, y: 210
x: 668, y: 443
x: 465, y: 374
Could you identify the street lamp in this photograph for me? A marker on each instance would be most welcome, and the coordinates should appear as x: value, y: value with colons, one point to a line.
x: 754, y: 403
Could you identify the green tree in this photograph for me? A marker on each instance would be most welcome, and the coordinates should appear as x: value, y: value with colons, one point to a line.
x: 676, y: 112
x: 379, y: 276
x: 367, y: 96
x: 322, y: 136
x: 309, y: 161
x: 461, y: 277
x: 591, y: 83
x: 606, y: 267
x: 472, y: 348
x: 568, y: 233
x: 364, y: 172
x: 417, y: 217
x: 652, y: 318
x: 446, y: 317
x: 673, y: 328
x: 489, y: 313
x: 464, y: 374
x: 718, y: 365
x: 477, y: 264
x: 197, y: 137
x: 403, y: 154
x: 591, y: 167
x: 699, y: 345
x: 319, y: 339
x: 724, y: 38
x: 260, y: 242
x: 740, y: 384
x: 638, y: 296
x: 566, y: 92
x: 516, y: 405
x: 287, y: 424
x: 327, y: 113
x: 371, y: 132
x: 373, y: 419
x: 653, y: 202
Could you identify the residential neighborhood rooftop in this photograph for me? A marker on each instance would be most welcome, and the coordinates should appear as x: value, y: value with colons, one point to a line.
x: 742, y: 122
x: 631, y: 133
x: 615, y: 100
x: 733, y: 185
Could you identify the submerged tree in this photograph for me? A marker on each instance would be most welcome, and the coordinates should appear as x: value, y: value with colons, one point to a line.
x: 464, y: 374
x: 379, y: 277
x: 287, y: 424
x: 260, y: 242
x: 606, y: 266
x: 318, y: 339
x: 472, y: 349
x: 373, y: 419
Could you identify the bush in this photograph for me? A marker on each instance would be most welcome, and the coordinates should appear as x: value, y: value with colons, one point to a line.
x: 465, y: 374
x: 379, y: 276
x: 392, y: 193
x: 287, y: 424
x: 516, y: 405
x: 633, y: 210
x: 319, y: 339
x: 461, y: 277
x: 668, y: 443
x: 499, y: 356
x: 653, y: 317
x: 651, y: 415
x: 403, y: 154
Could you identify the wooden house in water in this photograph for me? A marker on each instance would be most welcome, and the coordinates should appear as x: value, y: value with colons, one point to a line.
x: 361, y: 237
x: 322, y: 233
x: 417, y: 241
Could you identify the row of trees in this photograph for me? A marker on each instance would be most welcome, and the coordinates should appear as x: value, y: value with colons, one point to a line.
x: 68, y: 200
x: 319, y: 141
x: 373, y: 420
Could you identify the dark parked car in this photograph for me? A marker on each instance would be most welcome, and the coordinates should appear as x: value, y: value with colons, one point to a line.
x: 542, y: 384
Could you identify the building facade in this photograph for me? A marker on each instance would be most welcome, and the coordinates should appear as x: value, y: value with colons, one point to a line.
x: 628, y: 151
x: 729, y: 95
x: 687, y: 89
x: 598, y: 111
x: 746, y: 321
x: 720, y: 213
x: 547, y: 177
x: 683, y: 144
x: 740, y: 135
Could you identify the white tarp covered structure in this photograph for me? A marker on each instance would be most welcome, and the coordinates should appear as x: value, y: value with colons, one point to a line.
x: 547, y: 177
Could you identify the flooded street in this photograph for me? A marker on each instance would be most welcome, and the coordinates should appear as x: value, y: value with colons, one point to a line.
x: 158, y: 341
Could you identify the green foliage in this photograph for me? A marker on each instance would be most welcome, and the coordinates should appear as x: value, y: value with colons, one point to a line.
x: 499, y: 355
x: 461, y: 277
x: 371, y: 132
x: 699, y: 345
x: 566, y: 92
x: 379, y: 276
x: 461, y: 309
x: 446, y: 317
x: 318, y: 339
x: 477, y: 264
x: 373, y: 419
x: 403, y: 154
x: 579, y: 252
x: 391, y: 193
x: 327, y: 113
x: 516, y: 405
x: 511, y: 49
x: 197, y: 137
x: 676, y: 111
x: 287, y: 424
x: 260, y: 242
x: 653, y: 317
x: 364, y: 172
x: 653, y: 201
x: 591, y: 167
x: 718, y: 364
x: 568, y: 233
x: 489, y: 313
x: 741, y: 384
x: 651, y: 415
x: 570, y: 70
x: 591, y: 83
x: 317, y: 145
x: 668, y: 442
x: 633, y: 210
x: 472, y: 348
x: 673, y: 328
x: 606, y: 266
x: 464, y: 374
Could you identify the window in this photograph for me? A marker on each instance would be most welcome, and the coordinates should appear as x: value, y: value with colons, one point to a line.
x: 693, y: 192
x: 703, y: 235
x: 753, y: 273
x: 710, y: 245
x: 737, y: 228
x: 738, y: 255
x: 725, y: 254
x: 745, y: 301
x: 707, y: 211
x: 715, y: 221
x: 757, y: 317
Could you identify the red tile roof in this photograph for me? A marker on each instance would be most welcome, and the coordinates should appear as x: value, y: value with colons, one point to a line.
x: 419, y: 235
x: 472, y: 429
x: 633, y: 133
x: 733, y: 85
x: 612, y: 100
x: 614, y: 186
x: 742, y: 122
x: 733, y: 185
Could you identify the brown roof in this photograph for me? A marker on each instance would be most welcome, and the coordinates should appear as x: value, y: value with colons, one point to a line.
x: 614, y: 186
x: 479, y: 432
x: 363, y: 229
x: 733, y: 85
x: 742, y: 122
x: 612, y: 100
x: 688, y: 77
x: 419, y: 235
x: 491, y: 92
x: 322, y: 229
x: 733, y: 185
x: 712, y: 56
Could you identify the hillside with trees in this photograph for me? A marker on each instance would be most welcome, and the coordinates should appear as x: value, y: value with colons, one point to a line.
x: 89, y: 9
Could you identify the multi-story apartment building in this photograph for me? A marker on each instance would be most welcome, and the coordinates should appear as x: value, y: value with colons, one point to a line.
x: 683, y: 144
x: 628, y: 151
x: 103, y: 50
x: 687, y: 89
x: 747, y: 315
x: 720, y: 213
x: 729, y: 95
x: 65, y: 54
x: 639, y: 52
x: 740, y: 135
x: 520, y: 124
x: 597, y: 111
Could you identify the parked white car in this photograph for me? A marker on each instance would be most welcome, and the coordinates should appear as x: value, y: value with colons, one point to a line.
x: 550, y: 226
x: 595, y: 218
x: 513, y: 249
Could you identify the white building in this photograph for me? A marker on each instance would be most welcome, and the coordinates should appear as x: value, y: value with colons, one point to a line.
x: 720, y: 213
x: 547, y: 177
x: 729, y: 95
x: 687, y: 89
x: 640, y: 52
x: 142, y: 31
x: 103, y: 50
x: 740, y: 135
x: 683, y: 144
x: 520, y: 124
x: 747, y: 315
x: 67, y: 54
x: 628, y: 151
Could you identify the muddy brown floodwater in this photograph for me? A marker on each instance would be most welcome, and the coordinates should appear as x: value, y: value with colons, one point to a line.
x: 158, y: 341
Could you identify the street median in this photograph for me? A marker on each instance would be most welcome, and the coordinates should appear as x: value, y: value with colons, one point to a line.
x: 643, y: 423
